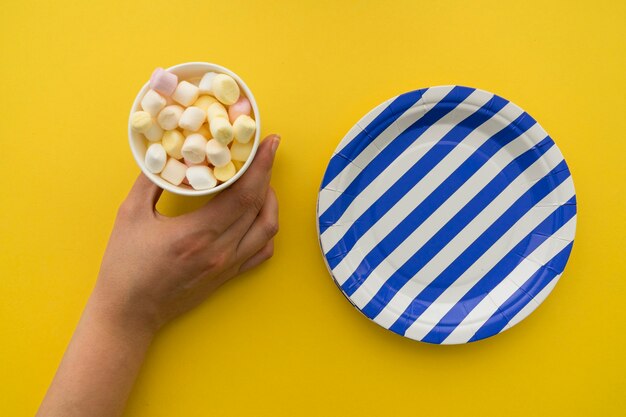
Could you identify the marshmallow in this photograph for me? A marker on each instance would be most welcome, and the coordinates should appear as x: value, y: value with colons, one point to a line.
x: 204, y: 131
x: 194, y: 148
x: 244, y: 128
x: 163, y: 82
x: 242, y: 106
x: 191, y: 164
x: 200, y: 177
x: 168, y: 117
x: 225, y: 89
x: 155, y: 158
x: 206, y: 82
x: 238, y: 165
x: 141, y: 121
x: 154, y: 134
x: 204, y: 102
x: 241, y: 151
x: 173, y: 143
x: 192, y: 118
x: 174, y: 171
x: 217, y: 153
x: 216, y: 110
x: 226, y: 172
x: 153, y: 102
x: 185, y: 93
x: 221, y: 130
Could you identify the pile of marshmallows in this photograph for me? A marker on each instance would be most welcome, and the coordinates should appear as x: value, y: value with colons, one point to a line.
x: 204, y: 138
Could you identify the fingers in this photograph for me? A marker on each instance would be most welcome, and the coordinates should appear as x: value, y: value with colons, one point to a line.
x: 258, y: 258
x: 263, y: 228
x: 247, y: 195
x: 143, y: 195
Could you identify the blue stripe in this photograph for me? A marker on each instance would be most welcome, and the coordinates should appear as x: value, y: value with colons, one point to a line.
x: 436, y: 200
x: 500, y: 271
x: 408, y: 181
x: 381, y: 122
x: 415, y: 174
x: 390, y: 153
x: 477, y: 248
x: 518, y: 300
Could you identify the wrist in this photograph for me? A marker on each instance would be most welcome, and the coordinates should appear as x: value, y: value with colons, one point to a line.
x: 119, y: 317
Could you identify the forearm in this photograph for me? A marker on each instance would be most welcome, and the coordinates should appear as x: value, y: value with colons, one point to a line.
x: 99, y: 367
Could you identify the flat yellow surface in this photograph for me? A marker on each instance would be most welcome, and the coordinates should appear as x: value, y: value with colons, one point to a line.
x: 282, y: 340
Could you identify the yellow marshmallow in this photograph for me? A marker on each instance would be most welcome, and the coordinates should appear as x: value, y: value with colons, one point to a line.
x: 241, y: 151
x: 216, y: 110
x: 226, y: 172
x: 221, y: 130
x: 204, y: 131
x: 225, y: 89
x: 238, y: 165
x: 204, y: 102
x: 244, y: 128
x: 141, y: 121
x: 173, y: 141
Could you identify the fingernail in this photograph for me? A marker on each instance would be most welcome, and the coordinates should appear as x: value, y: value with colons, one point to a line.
x: 275, y: 143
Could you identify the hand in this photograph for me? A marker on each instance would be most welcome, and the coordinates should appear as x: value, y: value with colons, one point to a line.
x: 157, y: 267
x: 154, y: 269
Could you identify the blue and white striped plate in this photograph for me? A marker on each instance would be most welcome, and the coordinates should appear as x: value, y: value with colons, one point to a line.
x: 446, y: 214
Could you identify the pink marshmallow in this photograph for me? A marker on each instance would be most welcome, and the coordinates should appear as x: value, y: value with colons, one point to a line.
x: 164, y: 82
x: 241, y: 106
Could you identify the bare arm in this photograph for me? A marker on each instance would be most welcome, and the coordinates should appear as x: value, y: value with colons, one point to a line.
x: 154, y: 269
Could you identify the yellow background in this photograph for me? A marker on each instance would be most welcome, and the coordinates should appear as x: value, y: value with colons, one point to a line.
x: 282, y: 340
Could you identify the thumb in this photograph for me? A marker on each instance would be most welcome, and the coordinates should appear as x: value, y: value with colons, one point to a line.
x: 144, y: 194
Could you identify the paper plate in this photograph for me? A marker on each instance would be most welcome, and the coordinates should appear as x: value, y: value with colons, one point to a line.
x: 446, y: 214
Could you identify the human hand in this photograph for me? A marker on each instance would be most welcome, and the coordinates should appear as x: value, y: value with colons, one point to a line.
x: 156, y: 267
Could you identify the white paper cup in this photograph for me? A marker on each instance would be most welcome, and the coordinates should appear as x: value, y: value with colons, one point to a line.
x: 191, y: 71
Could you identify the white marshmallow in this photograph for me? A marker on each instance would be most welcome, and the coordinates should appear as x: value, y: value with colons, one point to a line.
x: 174, y: 171
x: 141, y: 121
x: 217, y: 153
x: 168, y: 117
x: 226, y: 172
x: 205, y: 83
x: 190, y: 164
x: 155, y: 158
x: 194, y: 148
x: 155, y: 133
x: 200, y: 177
x: 225, y: 89
x: 173, y: 143
x: 153, y: 102
x: 221, y: 130
x: 244, y: 128
x: 216, y: 110
x: 185, y: 93
x: 192, y: 118
x: 241, y: 151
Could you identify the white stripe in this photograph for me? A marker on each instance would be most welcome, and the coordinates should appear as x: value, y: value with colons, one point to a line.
x: 433, y: 179
x: 530, y: 307
x: 474, y: 229
x: 428, y: 100
x: 394, y: 171
x: 363, y: 123
x: 441, y: 216
x: 503, y: 291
